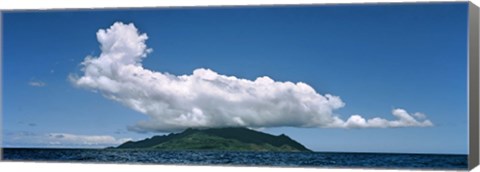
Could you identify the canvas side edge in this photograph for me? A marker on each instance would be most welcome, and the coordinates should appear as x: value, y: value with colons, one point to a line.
x: 473, y: 85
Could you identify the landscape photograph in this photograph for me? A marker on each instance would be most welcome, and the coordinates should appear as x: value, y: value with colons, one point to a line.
x: 308, y: 86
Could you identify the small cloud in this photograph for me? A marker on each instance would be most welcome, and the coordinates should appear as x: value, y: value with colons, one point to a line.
x: 62, y: 139
x: 31, y: 124
x: 66, y: 138
x: 22, y: 133
x: 404, y: 119
x: 419, y: 115
x: 37, y: 83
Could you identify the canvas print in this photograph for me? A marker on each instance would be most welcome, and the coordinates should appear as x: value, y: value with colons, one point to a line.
x: 309, y: 86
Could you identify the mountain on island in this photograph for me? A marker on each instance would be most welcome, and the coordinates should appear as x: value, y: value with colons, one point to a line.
x: 221, y: 139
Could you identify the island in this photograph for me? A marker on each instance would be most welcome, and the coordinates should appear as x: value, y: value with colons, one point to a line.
x: 218, y: 139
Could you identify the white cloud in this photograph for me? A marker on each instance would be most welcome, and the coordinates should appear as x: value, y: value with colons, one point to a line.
x: 403, y: 120
x: 62, y: 140
x: 37, y: 83
x: 72, y: 139
x: 206, y: 98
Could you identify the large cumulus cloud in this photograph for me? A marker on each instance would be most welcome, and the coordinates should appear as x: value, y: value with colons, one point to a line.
x: 206, y: 98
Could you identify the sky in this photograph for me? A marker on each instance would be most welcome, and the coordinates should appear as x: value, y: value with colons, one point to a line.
x: 336, y: 78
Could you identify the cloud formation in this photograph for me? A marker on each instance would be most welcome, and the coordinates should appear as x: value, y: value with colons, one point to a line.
x: 62, y: 139
x: 404, y: 119
x: 208, y: 99
x: 37, y: 84
x: 72, y: 139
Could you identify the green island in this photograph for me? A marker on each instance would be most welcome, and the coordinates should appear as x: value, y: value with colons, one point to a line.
x: 218, y: 139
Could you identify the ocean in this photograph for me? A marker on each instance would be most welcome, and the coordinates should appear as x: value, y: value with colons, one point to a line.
x: 278, y: 159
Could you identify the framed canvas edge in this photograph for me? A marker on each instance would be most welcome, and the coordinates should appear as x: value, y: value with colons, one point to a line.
x: 473, y: 67
x: 473, y: 97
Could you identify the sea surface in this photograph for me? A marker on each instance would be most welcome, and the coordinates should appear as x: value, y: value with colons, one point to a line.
x: 278, y: 159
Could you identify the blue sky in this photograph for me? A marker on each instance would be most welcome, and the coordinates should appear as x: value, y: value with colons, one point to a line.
x: 374, y: 57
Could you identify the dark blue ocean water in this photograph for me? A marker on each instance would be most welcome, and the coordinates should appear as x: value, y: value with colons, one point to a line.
x: 284, y: 159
